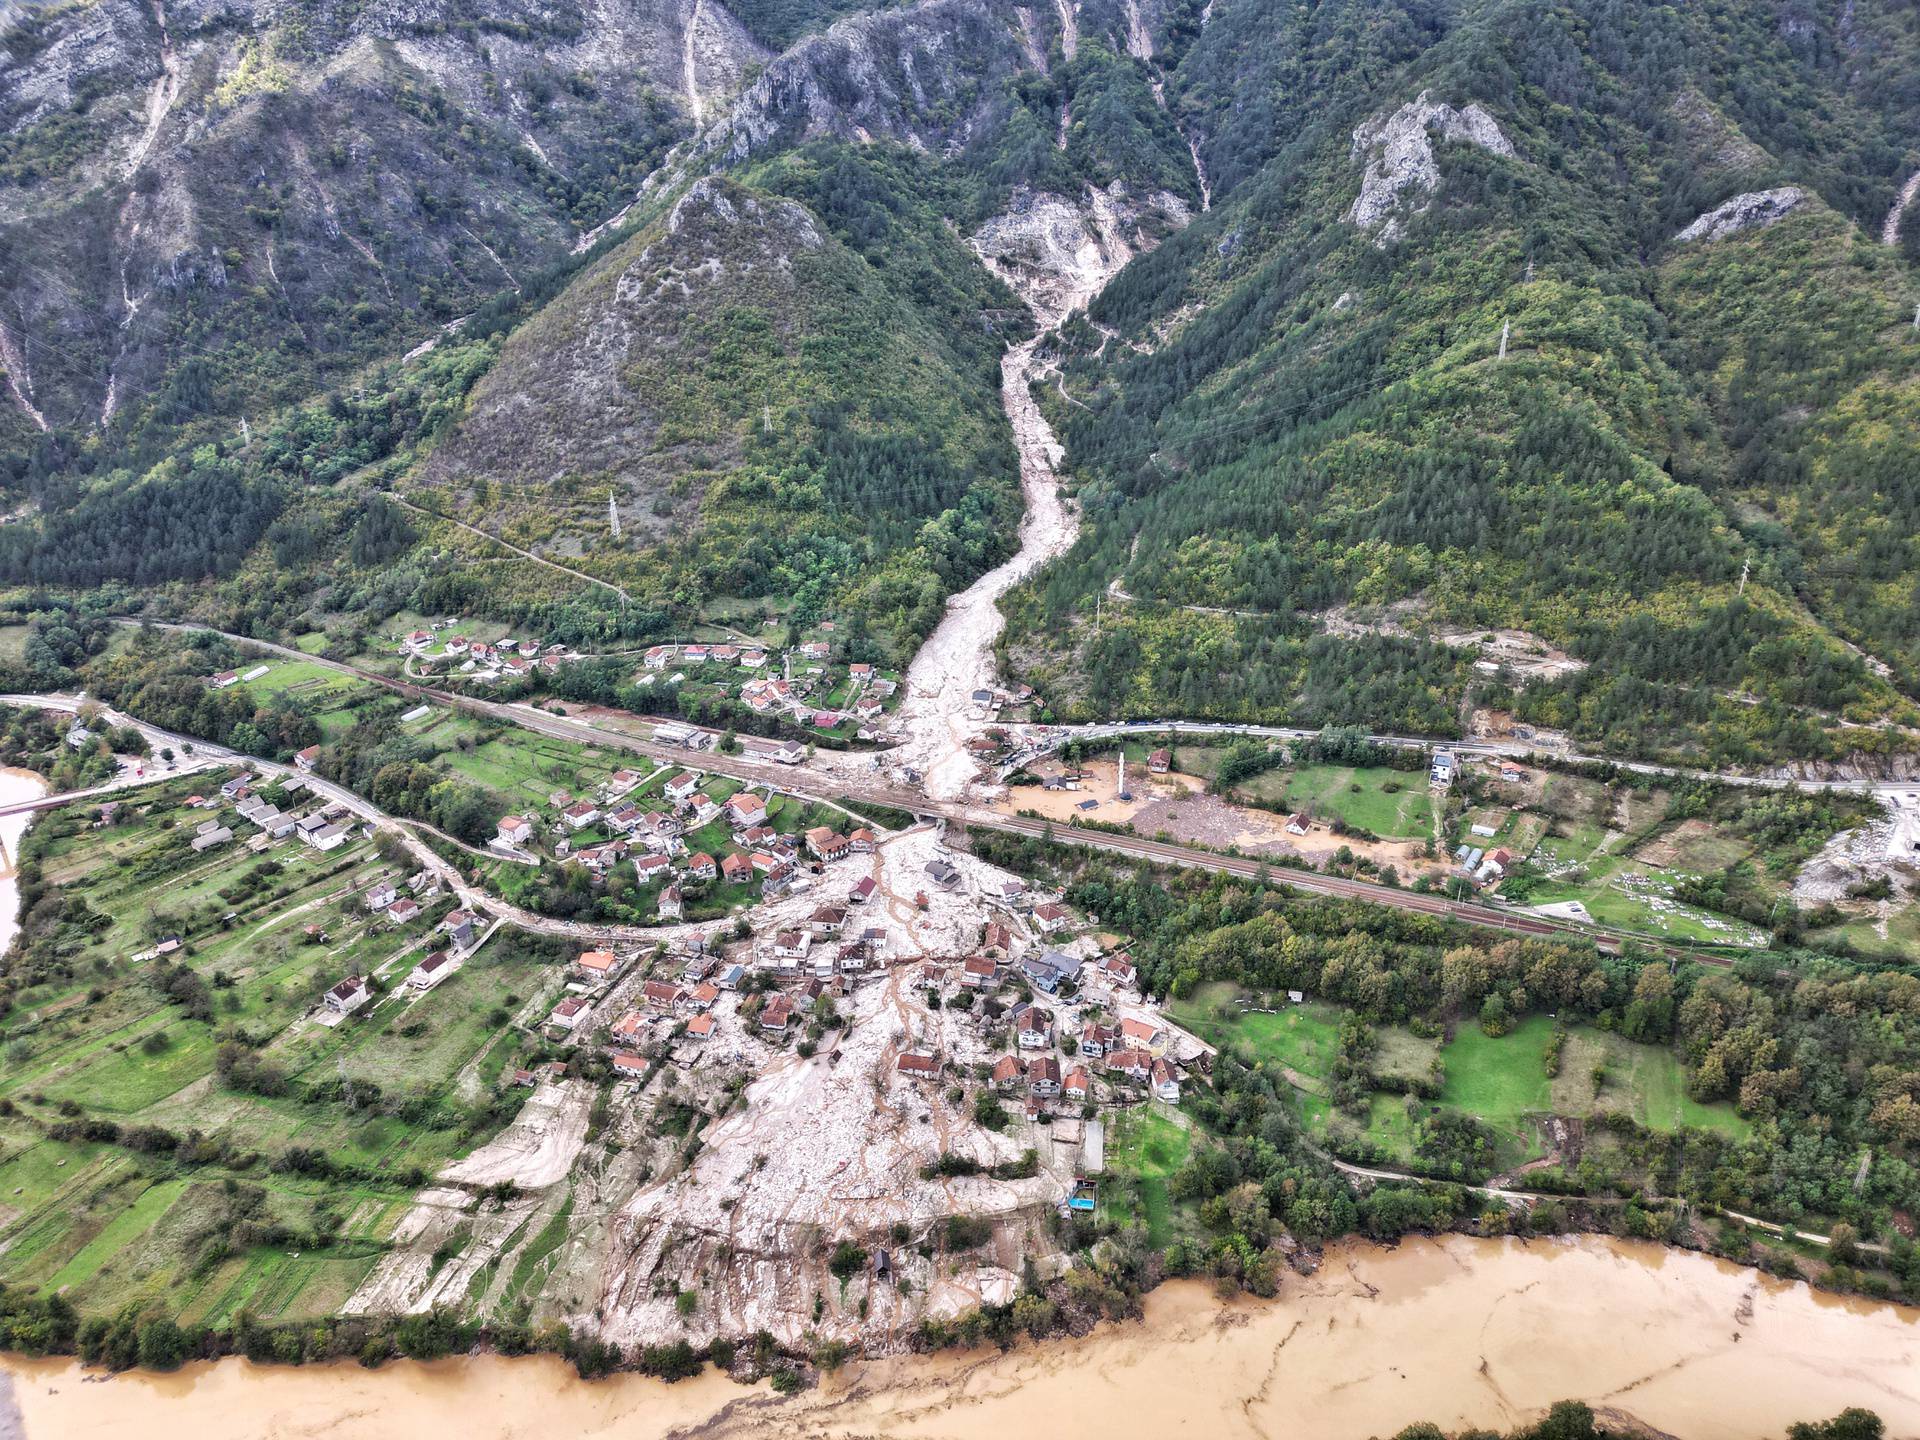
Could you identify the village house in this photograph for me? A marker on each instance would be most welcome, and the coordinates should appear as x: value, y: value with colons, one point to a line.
x: 663, y: 995
x: 919, y: 1066
x: 816, y: 650
x: 649, y: 868
x: 825, y: 844
x: 514, y: 831
x: 568, y: 1014
x: 701, y: 1027
x: 596, y: 964
x: 1051, y: 916
x: 731, y: 977
x: 746, y: 810
x: 861, y: 841
x: 380, y: 896
x: 861, y: 890
x: 1078, y: 1083
x: 306, y: 759
x: 432, y: 970
x: 1043, y: 1076
x: 210, y: 836
x: 1050, y: 971
x: 704, y: 996
x: 1134, y: 1064
x: 789, y: 752
x: 701, y: 867
x: 695, y: 654
x: 457, y: 925
x: 826, y: 920
x: 943, y: 874
x: 997, y: 940
x: 705, y: 809
x: 671, y: 904
x: 625, y: 819
x: 1008, y: 1073
x: 752, y: 659
x: 681, y: 786
x: 328, y: 837
x: 1117, y: 969
x: 658, y: 658
x: 979, y: 972
x: 1159, y: 762
x: 1143, y: 1035
x: 1097, y: 1039
x: 777, y: 1015
x: 628, y: 1063
x: 404, y: 911
x: 580, y: 814
x: 1166, y: 1085
x: 658, y: 831
x: 349, y: 995
x: 736, y: 868
x: 628, y: 1025
x: 224, y: 679
x: 1032, y: 1028
x: 792, y: 945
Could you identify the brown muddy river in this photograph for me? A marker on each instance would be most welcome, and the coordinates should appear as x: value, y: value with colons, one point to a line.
x: 1457, y: 1331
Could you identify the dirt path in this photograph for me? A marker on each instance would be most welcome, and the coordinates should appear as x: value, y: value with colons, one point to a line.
x: 509, y: 545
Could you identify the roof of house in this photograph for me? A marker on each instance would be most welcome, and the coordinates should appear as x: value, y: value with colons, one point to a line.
x: 596, y: 960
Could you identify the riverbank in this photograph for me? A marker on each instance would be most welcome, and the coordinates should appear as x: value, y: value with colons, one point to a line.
x: 1456, y: 1330
x: 16, y: 785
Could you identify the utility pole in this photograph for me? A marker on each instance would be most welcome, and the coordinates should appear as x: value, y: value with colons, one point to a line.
x: 1506, y: 329
x: 246, y: 435
x: 613, y: 515
x: 1746, y: 567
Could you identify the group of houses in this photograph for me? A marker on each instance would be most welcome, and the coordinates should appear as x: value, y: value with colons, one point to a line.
x: 327, y: 827
x: 487, y: 661
x: 1065, y: 1043
x: 459, y: 930
x: 791, y: 689
x: 655, y: 838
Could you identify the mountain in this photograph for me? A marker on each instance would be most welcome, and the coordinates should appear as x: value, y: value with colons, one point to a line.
x: 1575, y: 320
x: 1479, y: 363
x: 210, y: 211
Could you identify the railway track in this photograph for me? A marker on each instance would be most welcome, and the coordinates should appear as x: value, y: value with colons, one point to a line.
x: 797, y: 781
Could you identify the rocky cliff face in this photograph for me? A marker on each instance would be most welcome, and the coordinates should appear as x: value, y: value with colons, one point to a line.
x: 336, y: 179
x: 1401, y: 172
x: 929, y: 76
x: 1755, y: 210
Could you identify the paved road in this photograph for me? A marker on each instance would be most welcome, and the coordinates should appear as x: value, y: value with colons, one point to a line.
x: 831, y: 789
x: 1505, y: 749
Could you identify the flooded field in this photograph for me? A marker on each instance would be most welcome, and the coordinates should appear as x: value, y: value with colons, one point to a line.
x: 1458, y: 1331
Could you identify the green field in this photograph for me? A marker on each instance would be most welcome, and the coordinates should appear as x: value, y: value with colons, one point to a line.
x: 1146, y: 1146
x: 1503, y: 1081
x: 1393, y: 804
x: 96, y: 1038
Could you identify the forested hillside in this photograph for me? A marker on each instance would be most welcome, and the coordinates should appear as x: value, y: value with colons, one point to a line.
x: 1587, y: 322
x: 1691, y: 469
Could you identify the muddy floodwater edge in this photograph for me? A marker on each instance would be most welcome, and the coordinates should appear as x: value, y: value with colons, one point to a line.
x: 1455, y: 1330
